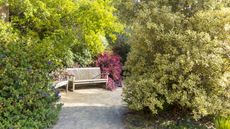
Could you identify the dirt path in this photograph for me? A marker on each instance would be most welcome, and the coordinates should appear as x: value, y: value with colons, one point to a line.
x: 93, y: 108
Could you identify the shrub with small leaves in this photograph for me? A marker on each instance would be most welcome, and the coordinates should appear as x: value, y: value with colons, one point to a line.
x: 180, y: 56
x: 110, y: 64
x: 121, y: 47
x: 27, y: 99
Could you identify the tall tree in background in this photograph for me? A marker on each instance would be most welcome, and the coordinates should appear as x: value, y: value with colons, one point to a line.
x: 97, y: 27
x: 77, y: 28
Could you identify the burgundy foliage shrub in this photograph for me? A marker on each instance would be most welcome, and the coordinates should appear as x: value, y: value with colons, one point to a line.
x: 110, y: 64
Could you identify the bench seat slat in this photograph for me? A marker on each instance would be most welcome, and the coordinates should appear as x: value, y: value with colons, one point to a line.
x: 90, y: 80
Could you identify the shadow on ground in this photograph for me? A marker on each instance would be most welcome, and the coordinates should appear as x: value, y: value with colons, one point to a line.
x: 94, y: 108
x: 91, y: 117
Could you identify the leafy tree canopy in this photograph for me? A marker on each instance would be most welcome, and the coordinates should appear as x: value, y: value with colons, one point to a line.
x: 81, y: 25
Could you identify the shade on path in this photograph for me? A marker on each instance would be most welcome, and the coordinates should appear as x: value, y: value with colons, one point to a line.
x: 93, y: 108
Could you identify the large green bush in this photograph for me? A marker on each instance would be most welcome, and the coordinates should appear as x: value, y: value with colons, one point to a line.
x: 42, y: 36
x: 180, y: 56
x: 26, y: 97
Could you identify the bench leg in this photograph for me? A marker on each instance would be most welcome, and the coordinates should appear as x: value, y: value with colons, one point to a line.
x: 73, y: 87
x: 67, y: 87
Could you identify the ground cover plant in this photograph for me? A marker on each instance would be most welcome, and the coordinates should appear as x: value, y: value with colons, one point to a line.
x: 180, y: 57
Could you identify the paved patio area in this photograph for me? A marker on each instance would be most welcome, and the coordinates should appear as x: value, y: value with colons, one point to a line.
x: 92, y: 108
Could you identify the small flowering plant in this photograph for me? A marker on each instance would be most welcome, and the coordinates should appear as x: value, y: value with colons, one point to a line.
x: 110, y: 64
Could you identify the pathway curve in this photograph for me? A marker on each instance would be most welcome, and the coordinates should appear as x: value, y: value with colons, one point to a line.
x: 93, y: 108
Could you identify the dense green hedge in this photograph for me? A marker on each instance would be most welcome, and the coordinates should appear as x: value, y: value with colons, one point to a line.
x: 180, y: 56
x: 26, y: 97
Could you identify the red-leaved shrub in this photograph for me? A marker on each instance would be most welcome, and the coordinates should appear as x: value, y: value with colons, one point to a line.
x: 110, y: 64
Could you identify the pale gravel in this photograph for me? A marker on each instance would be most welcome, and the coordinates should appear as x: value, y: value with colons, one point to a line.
x: 92, y: 108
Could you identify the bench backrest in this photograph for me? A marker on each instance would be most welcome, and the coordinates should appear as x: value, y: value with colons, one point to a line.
x: 85, y: 73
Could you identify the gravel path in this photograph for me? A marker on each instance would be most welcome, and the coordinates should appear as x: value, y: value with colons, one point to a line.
x: 93, y: 108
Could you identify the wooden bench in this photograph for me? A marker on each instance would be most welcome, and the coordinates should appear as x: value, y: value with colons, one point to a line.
x: 62, y: 83
x: 60, y: 79
x: 92, y: 75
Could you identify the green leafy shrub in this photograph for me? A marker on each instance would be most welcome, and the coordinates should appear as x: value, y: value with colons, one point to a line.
x: 180, y: 56
x: 222, y: 123
x: 2, y: 2
x: 121, y: 48
x: 27, y: 99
